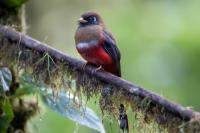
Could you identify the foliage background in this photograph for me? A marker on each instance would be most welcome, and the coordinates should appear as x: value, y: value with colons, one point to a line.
x: 159, y: 42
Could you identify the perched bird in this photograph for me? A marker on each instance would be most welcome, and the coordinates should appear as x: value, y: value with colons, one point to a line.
x: 96, y: 44
x: 123, y: 118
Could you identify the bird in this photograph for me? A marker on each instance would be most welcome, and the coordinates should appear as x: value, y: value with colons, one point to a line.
x: 96, y: 44
x: 123, y: 119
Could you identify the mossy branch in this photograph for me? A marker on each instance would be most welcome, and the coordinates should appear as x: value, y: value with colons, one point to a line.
x: 18, y: 48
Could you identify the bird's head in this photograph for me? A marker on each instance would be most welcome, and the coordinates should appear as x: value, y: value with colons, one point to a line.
x: 90, y: 18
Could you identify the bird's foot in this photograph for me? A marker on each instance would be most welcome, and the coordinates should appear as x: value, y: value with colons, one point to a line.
x: 97, y: 69
x: 90, y: 64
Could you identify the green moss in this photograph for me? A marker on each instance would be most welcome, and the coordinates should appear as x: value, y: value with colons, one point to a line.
x: 192, y: 126
x: 57, y: 74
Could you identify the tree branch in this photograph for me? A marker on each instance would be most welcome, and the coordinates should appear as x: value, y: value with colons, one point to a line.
x: 183, y: 113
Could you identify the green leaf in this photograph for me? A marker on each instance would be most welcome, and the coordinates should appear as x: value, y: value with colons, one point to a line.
x: 6, y: 115
x: 27, y: 87
x: 69, y: 107
x: 12, y: 3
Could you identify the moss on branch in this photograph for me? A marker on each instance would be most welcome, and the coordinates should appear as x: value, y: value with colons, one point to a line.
x: 56, y: 70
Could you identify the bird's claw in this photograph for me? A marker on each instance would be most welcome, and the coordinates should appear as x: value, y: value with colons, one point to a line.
x: 97, y: 69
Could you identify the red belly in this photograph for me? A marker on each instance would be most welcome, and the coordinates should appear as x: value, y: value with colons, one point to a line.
x: 96, y: 56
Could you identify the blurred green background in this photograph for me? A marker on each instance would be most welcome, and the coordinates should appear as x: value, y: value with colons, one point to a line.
x: 159, y: 42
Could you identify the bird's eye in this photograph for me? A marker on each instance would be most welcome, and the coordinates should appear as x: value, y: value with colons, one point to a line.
x: 93, y: 19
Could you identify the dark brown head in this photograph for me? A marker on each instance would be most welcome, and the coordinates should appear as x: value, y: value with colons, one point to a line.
x: 90, y: 18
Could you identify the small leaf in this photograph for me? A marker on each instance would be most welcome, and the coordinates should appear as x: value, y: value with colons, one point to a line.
x: 26, y: 86
x: 5, y: 79
x: 65, y: 105
x: 6, y: 115
x: 25, y: 89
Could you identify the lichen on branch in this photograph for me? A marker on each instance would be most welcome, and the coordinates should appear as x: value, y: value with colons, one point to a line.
x: 57, y: 70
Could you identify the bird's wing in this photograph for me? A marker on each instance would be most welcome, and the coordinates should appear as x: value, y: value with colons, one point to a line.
x: 111, y: 48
